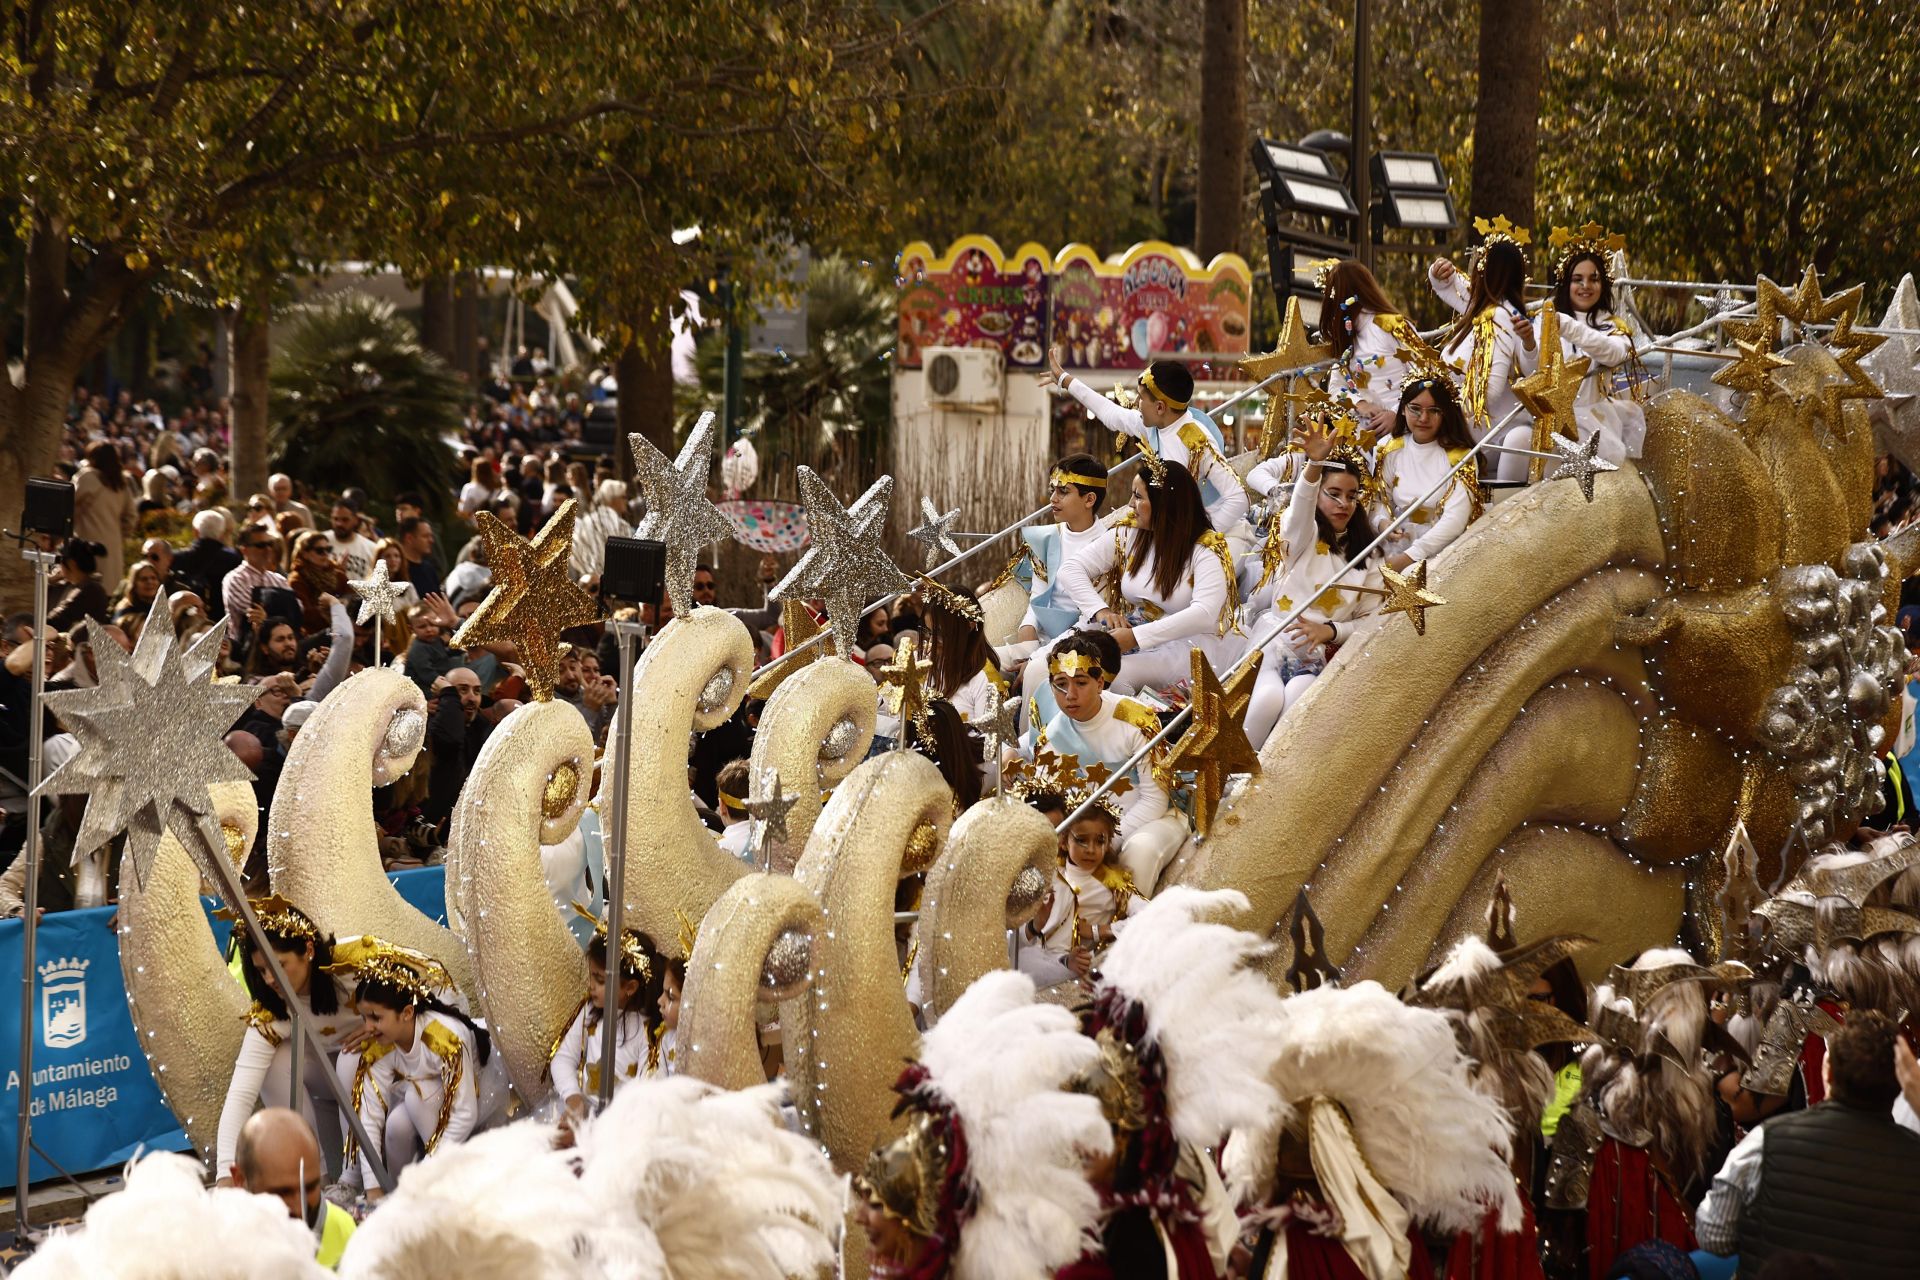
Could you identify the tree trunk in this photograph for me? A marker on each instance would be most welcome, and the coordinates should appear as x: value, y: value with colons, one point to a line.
x: 1221, y: 216
x: 249, y: 456
x: 466, y: 329
x: 645, y: 376
x: 1506, y: 127
x: 436, y: 319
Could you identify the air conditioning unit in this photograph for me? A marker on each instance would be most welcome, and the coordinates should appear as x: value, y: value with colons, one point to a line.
x: 967, y: 377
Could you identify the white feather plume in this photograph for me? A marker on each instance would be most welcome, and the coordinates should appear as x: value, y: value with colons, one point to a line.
x: 502, y: 1204
x: 1440, y: 1144
x: 726, y: 1190
x: 1666, y: 1106
x: 1517, y: 1076
x: 165, y: 1225
x: 1004, y: 1062
x: 1216, y: 1019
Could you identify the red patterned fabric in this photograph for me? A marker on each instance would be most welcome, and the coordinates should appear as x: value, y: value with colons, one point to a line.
x: 1317, y: 1257
x: 1493, y: 1254
x: 1630, y: 1200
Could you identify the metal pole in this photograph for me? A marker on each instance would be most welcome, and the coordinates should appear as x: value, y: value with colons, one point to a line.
x: 1360, y: 172
x: 625, y: 632
x: 43, y: 562
x: 732, y: 368
x: 1179, y: 721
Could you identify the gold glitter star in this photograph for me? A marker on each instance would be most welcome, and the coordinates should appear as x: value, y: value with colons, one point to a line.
x: 1407, y: 593
x: 799, y: 628
x: 1549, y: 393
x: 1215, y: 743
x: 1752, y: 370
x: 1294, y: 350
x: 678, y: 512
x: 533, y: 598
x: 903, y: 687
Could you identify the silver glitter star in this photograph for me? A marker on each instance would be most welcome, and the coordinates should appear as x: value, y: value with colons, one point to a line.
x: 1580, y: 463
x: 1002, y: 726
x: 933, y: 533
x: 846, y: 565
x: 678, y: 512
x: 379, y: 597
x: 769, y: 810
x: 152, y: 739
x: 1897, y: 415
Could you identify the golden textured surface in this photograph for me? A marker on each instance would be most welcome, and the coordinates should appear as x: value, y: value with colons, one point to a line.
x: 1689, y: 780
x: 963, y: 911
x: 674, y: 865
x: 847, y: 1036
x: 189, y: 1015
x: 797, y: 720
x: 323, y: 851
x: 1707, y: 483
x: 718, y: 1039
x: 1293, y: 350
x: 1724, y: 655
x: 1215, y: 742
x: 798, y: 627
x: 530, y: 970
x: 533, y: 598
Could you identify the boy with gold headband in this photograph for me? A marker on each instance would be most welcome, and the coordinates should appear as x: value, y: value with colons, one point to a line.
x: 1101, y: 727
x: 1169, y: 427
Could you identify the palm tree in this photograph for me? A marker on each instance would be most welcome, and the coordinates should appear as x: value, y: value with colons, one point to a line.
x: 357, y: 401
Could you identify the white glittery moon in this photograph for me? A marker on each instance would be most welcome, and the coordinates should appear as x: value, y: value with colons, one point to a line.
x: 825, y: 705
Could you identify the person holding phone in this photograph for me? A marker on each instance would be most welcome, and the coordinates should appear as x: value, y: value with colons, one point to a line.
x: 259, y: 552
x: 1492, y: 341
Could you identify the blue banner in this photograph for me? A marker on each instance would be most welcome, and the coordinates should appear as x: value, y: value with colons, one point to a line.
x: 94, y: 1100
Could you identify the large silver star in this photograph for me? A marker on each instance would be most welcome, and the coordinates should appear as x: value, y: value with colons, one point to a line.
x: 152, y: 740
x: 846, y: 565
x: 1002, y: 727
x: 1580, y: 463
x: 769, y: 809
x: 678, y: 512
x: 1896, y: 415
x: 934, y: 533
x: 379, y: 597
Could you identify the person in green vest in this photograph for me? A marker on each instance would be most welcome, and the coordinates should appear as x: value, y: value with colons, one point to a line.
x: 279, y: 1155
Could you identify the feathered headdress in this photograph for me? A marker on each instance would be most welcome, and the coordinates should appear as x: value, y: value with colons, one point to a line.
x: 370, y: 959
x: 165, y: 1223
x: 1395, y: 1128
x: 1568, y: 243
x: 1202, y: 1025
x: 989, y: 1171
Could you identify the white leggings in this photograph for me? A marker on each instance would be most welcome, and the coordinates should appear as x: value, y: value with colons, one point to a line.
x: 1513, y: 466
x: 1277, y: 687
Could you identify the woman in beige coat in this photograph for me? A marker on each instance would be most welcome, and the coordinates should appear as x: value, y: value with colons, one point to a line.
x: 104, y: 507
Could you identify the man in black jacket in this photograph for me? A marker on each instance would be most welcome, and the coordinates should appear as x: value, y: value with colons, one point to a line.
x: 1839, y: 1182
x: 207, y: 561
x: 455, y: 732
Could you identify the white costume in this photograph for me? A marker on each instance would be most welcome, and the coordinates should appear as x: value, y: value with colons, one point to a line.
x: 263, y: 1070
x: 1408, y: 471
x: 1486, y: 404
x: 1305, y: 563
x: 412, y: 1100
x: 1103, y: 899
x: 1199, y: 612
x: 575, y: 1069
x: 1194, y: 442
x: 1372, y: 369
x: 734, y: 840
x: 1149, y: 833
x: 1617, y: 419
x: 1049, y: 610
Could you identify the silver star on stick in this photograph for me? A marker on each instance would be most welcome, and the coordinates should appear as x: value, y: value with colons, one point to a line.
x: 152, y: 740
x: 769, y: 810
x: 1580, y: 463
x: 846, y: 565
x: 678, y: 512
x: 934, y: 532
x: 379, y: 597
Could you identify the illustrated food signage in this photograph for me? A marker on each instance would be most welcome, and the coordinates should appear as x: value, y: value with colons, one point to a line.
x: 1108, y: 314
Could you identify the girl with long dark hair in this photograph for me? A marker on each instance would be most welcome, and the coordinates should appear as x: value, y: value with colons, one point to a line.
x: 1492, y: 341
x: 263, y: 1068
x: 965, y: 669
x: 422, y: 1079
x: 1430, y: 436
x: 1370, y: 339
x: 576, y: 1065
x: 1325, y: 523
x: 1589, y: 326
x: 1163, y: 582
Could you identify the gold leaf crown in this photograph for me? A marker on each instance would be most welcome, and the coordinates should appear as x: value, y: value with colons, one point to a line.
x: 276, y: 915
x: 1568, y: 243
x: 1322, y: 268
x: 1051, y: 773
x: 1425, y: 367
x: 903, y: 1178
x: 1115, y: 1080
x: 633, y: 953
x: 372, y: 959
x: 1497, y: 230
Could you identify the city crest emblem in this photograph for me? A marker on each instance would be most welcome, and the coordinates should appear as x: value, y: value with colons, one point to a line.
x: 63, y: 1002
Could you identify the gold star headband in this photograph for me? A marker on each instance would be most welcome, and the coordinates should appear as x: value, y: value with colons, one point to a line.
x: 1570, y: 243
x: 1073, y: 477
x: 1152, y: 388
x: 276, y: 915
x: 1497, y: 230
x: 1156, y: 466
x: 632, y: 953
x: 375, y: 960
x: 1076, y: 664
x: 1322, y: 268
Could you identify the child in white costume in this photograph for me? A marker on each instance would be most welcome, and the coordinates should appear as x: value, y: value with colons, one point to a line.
x: 575, y: 1068
x: 1492, y: 342
x: 1583, y: 304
